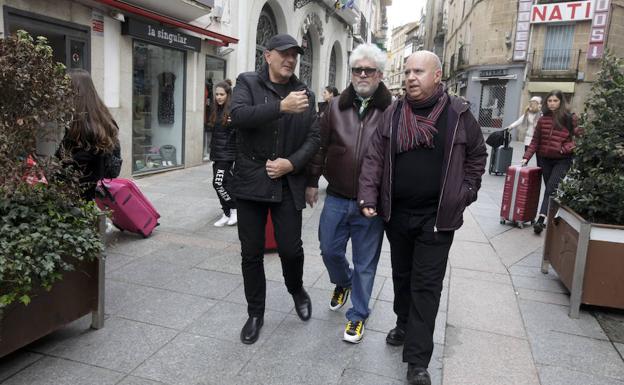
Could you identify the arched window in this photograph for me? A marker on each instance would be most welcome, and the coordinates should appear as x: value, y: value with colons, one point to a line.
x: 267, y: 28
x: 332, y: 68
x: 305, y: 68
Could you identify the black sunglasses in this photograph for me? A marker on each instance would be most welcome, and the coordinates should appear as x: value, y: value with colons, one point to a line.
x: 368, y: 71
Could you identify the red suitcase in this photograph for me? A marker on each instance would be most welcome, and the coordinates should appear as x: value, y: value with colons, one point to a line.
x: 269, y: 235
x: 521, y: 195
x: 131, y: 210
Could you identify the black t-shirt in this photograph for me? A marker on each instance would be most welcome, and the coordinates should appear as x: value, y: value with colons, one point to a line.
x: 418, y: 172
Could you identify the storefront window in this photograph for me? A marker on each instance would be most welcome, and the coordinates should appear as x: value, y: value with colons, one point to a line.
x: 158, y: 107
x: 215, y: 72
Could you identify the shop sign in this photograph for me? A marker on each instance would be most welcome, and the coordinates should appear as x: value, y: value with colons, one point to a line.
x: 522, y: 30
x: 161, y: 35
x: 598, y: 29
x: 493, y: 73
x: 97, y: 23
x: 562, y: 12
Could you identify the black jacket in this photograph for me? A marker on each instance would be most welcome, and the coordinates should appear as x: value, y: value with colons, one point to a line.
x: 223, y: 143
x: 263, y: 133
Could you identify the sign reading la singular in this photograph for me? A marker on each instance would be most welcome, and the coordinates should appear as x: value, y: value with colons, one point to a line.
x: 562, y: 12
x: 161, y: 35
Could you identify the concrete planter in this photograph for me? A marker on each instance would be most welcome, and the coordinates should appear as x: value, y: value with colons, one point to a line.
x: 588, y: 257
x: 77, y: 294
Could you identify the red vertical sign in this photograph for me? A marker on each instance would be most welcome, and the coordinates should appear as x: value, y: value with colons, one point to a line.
x: 598, y: 29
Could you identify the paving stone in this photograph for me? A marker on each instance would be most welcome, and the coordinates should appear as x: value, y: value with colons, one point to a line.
x: 374, y: 355
x: 387, y: 291
x: 597, y: 357
x: 551, y: 285
x: 533, y: 272
x: 203, y: 283
x: 166, y: 308
x: 228, y: 261
x: 533, y: 259
x: 121, y: 294
x: 475, y: 357
x: 14, y: 362
x: 134, y: 245
x: 300, y: 353
x: 543, y: 317
x: 191, y: 360
x: 225, y: 321
x: 132, y: 380
x: 612, y: 322
x: 553, y: 375
x: 470, y: 230
x: 183, y: 255
x: 277, y: 297
x: 475, y: 256
x: 543, y: 296
x: 320, y: 307
x: 149, y: 272
x: 512, y: 246
x: 382, y: 318
x: 121, y: 345
x: 481, y: 275
x: 485, y: 306
x: 620, y: 348
x: 116, y: 260
x: 56, y: 371
x: 359, y: 377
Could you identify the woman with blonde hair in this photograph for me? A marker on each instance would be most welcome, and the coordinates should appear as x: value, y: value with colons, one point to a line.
x: 92, y: 140
x: 525, y: 125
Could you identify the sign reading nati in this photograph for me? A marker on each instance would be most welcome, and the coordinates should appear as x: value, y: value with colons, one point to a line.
x: 562, y: 12
x: 161, y: 35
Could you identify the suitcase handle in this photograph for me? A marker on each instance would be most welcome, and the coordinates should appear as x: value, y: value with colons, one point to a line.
x: 105, y: 192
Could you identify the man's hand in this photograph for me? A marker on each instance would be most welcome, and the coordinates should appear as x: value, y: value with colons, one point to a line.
x: 278, y: 167
x: 524, y: 162
x: 369, y: 212
x: 295, y: 103
x: 311, y: 195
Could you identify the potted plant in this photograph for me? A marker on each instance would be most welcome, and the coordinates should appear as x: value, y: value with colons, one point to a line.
x: 585, y: 232
x: 50, y: 273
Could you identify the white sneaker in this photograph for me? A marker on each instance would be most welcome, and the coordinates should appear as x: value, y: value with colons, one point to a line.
x: 354, y: 332
x: 233, y: 219
x: 222, y: 222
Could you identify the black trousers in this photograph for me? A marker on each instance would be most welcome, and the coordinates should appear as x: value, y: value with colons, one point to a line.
x: 418, y: 257
x: 553, y: 171
x: 252, y: 217
x: 221, y: 178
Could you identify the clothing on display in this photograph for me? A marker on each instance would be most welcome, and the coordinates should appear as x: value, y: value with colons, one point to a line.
x: 166, y: 106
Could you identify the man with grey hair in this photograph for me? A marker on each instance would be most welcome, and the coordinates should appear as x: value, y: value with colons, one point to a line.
x: 346, y: 129
x: 422, y: 170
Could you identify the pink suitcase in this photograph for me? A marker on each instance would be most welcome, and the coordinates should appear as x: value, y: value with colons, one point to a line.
x: 521, y: 195
x: 131, y: 210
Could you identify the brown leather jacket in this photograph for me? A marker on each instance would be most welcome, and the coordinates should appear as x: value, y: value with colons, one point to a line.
x: 464, y: 164
x: 344, y: 140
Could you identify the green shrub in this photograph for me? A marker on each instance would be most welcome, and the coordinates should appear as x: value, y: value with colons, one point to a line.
x: 44, y: 228
x: 594, y: 186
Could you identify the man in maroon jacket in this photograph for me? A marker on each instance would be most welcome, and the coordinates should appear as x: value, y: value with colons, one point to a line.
x: 423, y: 168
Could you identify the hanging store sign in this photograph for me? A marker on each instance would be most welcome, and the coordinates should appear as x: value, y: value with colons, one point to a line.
x: 562, y: 12
x: 598, y: 29
x: 161, y: 35
x: 523, y: 27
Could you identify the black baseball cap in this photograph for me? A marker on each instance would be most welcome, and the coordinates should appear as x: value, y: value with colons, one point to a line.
x: 283, y: 42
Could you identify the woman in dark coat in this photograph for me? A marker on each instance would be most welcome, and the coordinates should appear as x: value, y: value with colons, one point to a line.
x: 93, y: 135
x: 223, y: 151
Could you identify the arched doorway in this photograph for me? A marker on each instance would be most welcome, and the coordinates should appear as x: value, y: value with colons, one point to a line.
x: 332, y: 68
x: 307, y: 60
x: 267, y: 28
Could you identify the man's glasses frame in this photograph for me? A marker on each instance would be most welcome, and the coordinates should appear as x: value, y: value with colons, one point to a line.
x: 357, y: 71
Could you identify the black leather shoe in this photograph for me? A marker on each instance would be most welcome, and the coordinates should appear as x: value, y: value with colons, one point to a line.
x: 251, y: 330
x: 538, y: 227
x: 417, y: 375
x: 303, y: 305
x: 396, y: 336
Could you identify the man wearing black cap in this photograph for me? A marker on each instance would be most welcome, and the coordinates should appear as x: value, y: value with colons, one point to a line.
x: 277, y: 135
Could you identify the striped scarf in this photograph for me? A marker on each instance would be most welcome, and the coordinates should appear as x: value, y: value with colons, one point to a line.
x: 418, y: 131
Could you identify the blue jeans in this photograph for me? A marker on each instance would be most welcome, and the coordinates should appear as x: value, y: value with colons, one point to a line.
x: 341, y: 219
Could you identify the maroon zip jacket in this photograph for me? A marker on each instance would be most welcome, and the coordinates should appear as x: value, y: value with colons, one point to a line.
x: 464, y: 164
x: 550, y: 141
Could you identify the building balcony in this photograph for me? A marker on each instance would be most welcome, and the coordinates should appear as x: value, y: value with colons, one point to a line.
x: 555, y: 64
